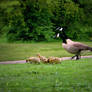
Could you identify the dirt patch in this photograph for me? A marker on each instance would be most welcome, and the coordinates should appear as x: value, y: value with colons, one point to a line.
x: 24, y: 61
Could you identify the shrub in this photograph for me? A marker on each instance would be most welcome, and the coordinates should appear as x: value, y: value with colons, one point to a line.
x: 80, y: 32
x: 30, y: 23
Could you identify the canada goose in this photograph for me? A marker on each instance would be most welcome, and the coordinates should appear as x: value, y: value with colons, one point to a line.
x: 54, y: 60
x: 42, y: 58
x: 33, y: 60
x: 71, y: 46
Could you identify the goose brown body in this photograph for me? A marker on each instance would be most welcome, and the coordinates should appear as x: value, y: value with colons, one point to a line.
x: 72, y: 46
x: 75, y: 47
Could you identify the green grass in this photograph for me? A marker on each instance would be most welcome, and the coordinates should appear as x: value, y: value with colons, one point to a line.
x: 21, y: 51
x: 69, y: 76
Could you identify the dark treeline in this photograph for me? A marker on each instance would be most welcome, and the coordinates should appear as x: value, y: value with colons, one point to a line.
x: 37, y: 20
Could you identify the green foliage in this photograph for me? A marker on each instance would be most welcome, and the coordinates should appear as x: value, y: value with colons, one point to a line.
x: 36, y: 20
x: 80, y: 32
x: 70, y: 13
x: 3, y: 21
x: 17, y: 27
x: 87, y: 7
x: 31, y: 23
x: 66, y: 13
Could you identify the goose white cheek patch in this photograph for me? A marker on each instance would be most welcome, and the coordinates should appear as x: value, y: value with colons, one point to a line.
x: 58, y: 35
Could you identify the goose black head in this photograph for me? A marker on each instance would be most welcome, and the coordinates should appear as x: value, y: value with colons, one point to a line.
x: 61, y: 34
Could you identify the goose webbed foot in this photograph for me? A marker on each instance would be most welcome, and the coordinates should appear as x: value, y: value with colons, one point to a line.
x: 73, y: 57
x: 77, y: 57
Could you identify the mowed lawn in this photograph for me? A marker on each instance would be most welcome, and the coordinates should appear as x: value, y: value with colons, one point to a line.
x: 69, y: 76
x: 21, y: 51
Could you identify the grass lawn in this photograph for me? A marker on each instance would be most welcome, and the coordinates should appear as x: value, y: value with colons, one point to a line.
x: 69, y: 76
x: 21, y: 51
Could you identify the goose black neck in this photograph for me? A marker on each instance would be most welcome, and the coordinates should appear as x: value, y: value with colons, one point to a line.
x: 64, y: 37
x: 64, y: 40
x: 64, y: 34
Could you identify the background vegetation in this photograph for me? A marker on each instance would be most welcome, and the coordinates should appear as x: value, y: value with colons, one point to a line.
x: 36, y: 20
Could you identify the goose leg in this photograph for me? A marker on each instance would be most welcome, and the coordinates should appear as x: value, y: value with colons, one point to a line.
x: 78, y: 57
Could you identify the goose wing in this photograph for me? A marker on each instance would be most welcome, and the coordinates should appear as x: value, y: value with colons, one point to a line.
x: 80, y: 46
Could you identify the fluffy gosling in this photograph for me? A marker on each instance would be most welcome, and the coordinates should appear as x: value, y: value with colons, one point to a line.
x: 34, y: 60
x: 42, y: 58
x: 54, y: 60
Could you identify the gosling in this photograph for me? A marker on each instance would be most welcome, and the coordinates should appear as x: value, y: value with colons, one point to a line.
x: 54, y: 60
x: 42, y: 58
x: 34, y: 60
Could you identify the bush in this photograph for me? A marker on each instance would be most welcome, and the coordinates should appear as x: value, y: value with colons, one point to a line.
x: 30, y: 23
x: 80, y: 32
x: 17, y: 29
x: 36, y: 20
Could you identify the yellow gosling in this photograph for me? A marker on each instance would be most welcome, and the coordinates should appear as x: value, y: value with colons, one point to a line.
x: 54, y: 60
x: 42, y: 58
x: 34, y: 60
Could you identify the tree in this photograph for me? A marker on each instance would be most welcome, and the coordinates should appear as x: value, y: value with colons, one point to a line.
x: 37, y: 19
